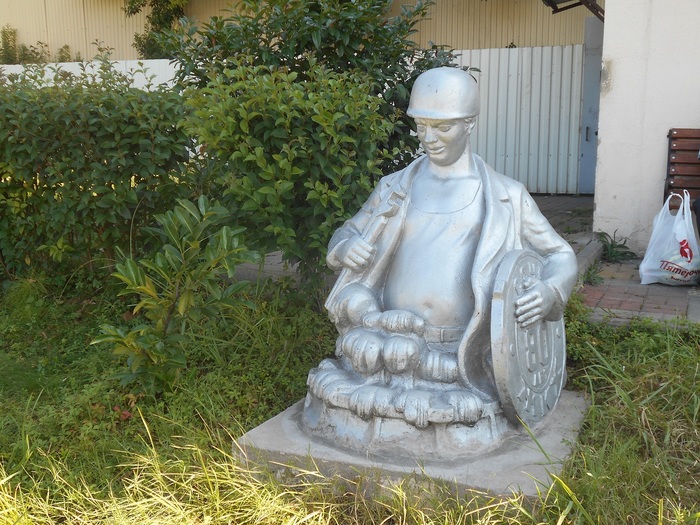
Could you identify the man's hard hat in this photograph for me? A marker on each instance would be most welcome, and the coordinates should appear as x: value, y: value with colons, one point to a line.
x: 444, y: 93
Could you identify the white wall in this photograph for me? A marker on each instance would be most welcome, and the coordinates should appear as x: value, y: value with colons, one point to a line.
x: 155, y: 71
x: 650, y: 83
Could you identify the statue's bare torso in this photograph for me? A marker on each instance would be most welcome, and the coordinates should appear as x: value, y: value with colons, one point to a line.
x: 441, y: 230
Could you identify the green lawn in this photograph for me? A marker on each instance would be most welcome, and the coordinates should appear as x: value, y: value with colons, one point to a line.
x: 78, y: 447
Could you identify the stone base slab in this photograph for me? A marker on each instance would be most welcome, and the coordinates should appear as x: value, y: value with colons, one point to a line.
x: 518, y: 464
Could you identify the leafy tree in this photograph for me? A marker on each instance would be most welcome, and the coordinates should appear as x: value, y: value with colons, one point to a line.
x: 339, y: 35
x: 164, y: 13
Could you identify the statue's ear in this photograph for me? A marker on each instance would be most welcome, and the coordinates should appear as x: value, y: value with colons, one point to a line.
x: 471, y: 122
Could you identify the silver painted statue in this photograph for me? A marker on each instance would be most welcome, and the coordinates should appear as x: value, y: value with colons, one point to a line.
x: 449, y: 302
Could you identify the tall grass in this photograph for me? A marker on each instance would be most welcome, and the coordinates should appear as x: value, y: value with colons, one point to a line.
x: 214, y: 487
x: 638, y: 460
x: 77, y: 448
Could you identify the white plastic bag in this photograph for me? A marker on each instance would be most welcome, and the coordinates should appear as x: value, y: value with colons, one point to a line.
x: 673, y: 255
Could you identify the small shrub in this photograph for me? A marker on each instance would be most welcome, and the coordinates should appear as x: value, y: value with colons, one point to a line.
x: 63, y: 54
x: 614, y: 249
x: 34, y: 54
x: 178, y: 286
x: 9, y: 53
x: 149, y: 47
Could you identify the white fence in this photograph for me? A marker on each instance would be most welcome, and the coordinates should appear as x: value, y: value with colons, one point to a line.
x: 530, y: 120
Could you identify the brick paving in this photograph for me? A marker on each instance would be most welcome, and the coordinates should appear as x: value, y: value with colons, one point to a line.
x: 619, y: 296
x: 626, y: 294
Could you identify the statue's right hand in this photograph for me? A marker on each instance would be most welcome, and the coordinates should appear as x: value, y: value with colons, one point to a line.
x: 356, y: 253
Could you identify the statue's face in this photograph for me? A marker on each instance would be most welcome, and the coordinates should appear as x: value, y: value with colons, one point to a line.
x: 444, y: 141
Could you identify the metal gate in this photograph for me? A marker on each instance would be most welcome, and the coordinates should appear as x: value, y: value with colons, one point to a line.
x: 530, y: 122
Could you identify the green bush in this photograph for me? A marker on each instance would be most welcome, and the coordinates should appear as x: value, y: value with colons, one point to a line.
x: 297, y: 156
x: 302, y: 106
x: 85, y: 161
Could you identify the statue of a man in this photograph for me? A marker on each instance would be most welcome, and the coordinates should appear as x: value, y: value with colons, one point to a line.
x: 414, y: 368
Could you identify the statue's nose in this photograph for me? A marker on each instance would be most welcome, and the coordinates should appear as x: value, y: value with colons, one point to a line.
x: 429, y: 136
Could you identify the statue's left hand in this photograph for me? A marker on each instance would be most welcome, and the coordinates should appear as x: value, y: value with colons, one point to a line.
x: 536, y: 303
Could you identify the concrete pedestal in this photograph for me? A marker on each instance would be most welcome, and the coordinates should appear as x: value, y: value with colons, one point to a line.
x: 518, y: 464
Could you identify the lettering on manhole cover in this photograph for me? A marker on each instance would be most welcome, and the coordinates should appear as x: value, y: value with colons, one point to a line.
x: 529, y: 363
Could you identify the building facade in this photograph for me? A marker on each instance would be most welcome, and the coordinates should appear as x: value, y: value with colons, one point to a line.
x: 460, y: 24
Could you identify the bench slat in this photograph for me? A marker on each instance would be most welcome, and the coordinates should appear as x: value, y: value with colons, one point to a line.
x: 684, y: 157
x: 685, y: 145
x: 678, y: 133
x: 684, y: 169
x: 680, y: 184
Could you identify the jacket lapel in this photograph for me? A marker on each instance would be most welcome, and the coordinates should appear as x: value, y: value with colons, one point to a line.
x: 496, y: 238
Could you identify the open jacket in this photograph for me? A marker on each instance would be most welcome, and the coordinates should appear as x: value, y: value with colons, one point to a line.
x: 512, y: 221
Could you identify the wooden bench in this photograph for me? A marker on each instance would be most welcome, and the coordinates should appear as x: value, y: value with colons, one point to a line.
x: 683, y: 163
